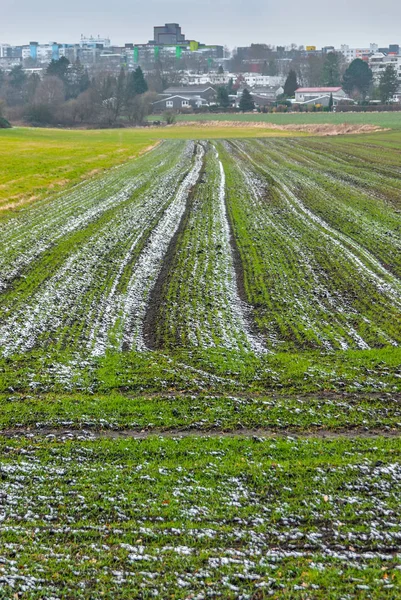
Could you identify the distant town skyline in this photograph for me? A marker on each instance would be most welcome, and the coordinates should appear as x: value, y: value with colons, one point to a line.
x: 228, y: 22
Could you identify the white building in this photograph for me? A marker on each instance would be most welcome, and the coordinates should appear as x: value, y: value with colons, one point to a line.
x: 379, y: 61
x: 268, y: 93
x: 257, y: 80
x: 92, y: 42
x: 352, y: 53
x: 42, y: 53
x: 308, y: 94
x: 189, y: 78
x: 216, y: 79
x: 320, y: 96
x: 4, y: 49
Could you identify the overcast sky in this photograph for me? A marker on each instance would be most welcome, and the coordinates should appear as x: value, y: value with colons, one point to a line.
x: 230, y: 22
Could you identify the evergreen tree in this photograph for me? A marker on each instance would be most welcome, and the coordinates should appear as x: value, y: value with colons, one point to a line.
x: 331, y: 70
x: 388, y: 84
x: 246, y: 103
x: 17, y: 77
x: 74, y: 79
x: 59, y: 68
x: 84, y: 82
x: 139, y: 85
x: 222, y: 97
x: 272, y: 68
x: 331, y: 102
x: 291, y: 84
x: 15, y: 91
x: 120, y: 93
x: 358, y: 78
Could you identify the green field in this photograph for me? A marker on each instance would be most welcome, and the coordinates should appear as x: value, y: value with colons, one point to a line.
x: 200, y: 364
x: 38, y: 162
x: 390, y: 120
x: 231, y: 518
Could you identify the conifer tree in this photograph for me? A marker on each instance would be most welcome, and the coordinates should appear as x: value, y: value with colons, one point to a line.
x: 291, y: 84
x: 246, y: 103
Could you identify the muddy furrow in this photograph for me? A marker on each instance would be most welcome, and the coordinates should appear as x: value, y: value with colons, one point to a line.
x: 150, y: 261
x: 196, y: 301
x: 257, y: 434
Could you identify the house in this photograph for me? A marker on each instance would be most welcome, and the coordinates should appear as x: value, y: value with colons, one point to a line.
x: 260, y: 101
x: 314, y: 93
x: 179, y: 102
x: 266, y: 93
x: 204, y: 91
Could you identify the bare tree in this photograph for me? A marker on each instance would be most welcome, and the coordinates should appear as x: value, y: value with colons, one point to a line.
x: 50, y: 92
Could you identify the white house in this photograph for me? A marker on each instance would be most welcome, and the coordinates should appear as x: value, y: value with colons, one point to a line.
x: 306, y: 94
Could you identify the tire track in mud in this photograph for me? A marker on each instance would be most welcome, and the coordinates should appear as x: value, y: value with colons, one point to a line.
x: 238, y: 272
x: 217, y: 316
x: 150, y: 261
x: 156, y: 297
x: 258, y: 434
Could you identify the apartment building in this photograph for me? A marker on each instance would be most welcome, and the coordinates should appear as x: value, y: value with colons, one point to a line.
x: 379, y: 61
x: 352, y: 53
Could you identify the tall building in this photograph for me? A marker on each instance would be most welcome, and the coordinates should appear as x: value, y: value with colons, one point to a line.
x: 170, y: 33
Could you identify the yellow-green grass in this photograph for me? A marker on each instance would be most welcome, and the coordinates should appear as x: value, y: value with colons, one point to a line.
x: 36, y: 162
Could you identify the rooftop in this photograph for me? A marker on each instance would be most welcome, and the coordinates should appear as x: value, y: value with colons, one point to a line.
x: 320, y: 90
x: 190, y: 88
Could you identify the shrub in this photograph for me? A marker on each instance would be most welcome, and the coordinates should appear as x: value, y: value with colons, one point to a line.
x: 39, y: 115
x: 169, y: 117
x: 4, y: 124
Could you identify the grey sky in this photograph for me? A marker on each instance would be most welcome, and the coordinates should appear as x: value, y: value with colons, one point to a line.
x: 231, y: 22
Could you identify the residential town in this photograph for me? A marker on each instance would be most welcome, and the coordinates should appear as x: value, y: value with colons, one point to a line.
x: 93, y: 80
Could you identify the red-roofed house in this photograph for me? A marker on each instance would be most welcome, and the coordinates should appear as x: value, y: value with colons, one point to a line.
x: 313, y: 94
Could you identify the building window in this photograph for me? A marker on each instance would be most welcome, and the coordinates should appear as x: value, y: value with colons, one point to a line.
x: 169, y: 104
x: 185, y: 103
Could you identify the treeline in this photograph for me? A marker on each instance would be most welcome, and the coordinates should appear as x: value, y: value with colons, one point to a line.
x: 68, y: 96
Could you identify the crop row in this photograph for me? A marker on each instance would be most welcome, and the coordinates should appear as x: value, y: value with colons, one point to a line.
x: 244, y: 246
x: 311, y: 284
x: 205, y: 518
x: 64, y: 298
x: 353, y: 195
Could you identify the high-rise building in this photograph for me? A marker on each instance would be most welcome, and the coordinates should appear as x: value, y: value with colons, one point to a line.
x: 170, y: 33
